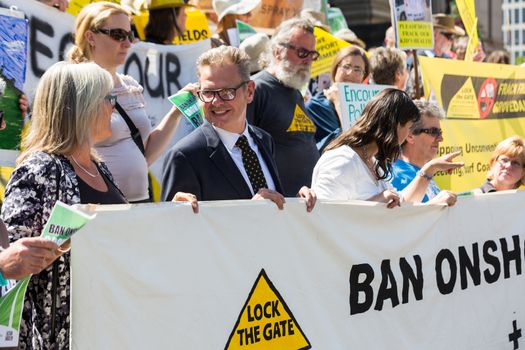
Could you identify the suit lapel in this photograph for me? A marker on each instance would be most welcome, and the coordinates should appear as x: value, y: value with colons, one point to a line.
x: 222, y: 159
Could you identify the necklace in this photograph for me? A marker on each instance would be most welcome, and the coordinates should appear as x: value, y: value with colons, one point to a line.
x: 84, y: 169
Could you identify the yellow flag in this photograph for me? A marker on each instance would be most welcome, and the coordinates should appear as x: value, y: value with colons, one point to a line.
x: 473, y: 42
x: 328, y: 47
x: 467, y: 11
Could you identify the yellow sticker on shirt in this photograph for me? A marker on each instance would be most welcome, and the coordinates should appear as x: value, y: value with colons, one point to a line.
x: 301, y: 122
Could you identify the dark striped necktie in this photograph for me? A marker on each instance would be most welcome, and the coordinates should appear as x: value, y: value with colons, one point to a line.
x: 251, y: 164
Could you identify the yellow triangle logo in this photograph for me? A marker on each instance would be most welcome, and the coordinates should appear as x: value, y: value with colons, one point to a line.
x: 266, y: 322
x: 301, y: 122
x: 463, y: 104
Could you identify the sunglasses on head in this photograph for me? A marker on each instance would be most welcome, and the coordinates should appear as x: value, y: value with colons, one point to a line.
x: 301, y: 52
x: 116, y: 34
x: 429, y: 131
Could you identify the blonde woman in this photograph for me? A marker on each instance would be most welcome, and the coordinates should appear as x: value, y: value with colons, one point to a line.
x: 72, y: 111
x: 506, y: 166
x: 103, y: 35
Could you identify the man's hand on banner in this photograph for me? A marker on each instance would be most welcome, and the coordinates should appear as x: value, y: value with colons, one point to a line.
x: 187, y: 197
x: 274, y: 196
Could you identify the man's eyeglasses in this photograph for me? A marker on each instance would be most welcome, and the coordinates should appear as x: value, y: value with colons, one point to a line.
x: 449, y: 36
x: 349, y: 69
x: 112, y: 99
x: 116, y: 34
x: 514, y: 164
x: 227, y: 94
x: 435, y: 132
x: 301, y: 52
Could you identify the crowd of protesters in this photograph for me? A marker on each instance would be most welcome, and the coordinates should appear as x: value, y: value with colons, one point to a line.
x: 90, y: 139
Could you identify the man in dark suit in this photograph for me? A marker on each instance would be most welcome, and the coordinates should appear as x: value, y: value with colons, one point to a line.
x: 225, y: 158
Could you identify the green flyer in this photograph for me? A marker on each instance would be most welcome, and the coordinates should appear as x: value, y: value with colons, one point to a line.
x: 63, y: 222
x: 188, y: 105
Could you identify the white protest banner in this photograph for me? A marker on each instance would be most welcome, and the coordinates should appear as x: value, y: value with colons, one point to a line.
x: 353, y: 99
x: 245, y: 275
x: 161, y: 69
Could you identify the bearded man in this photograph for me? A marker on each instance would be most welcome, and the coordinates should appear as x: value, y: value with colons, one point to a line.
x: 278, y: 106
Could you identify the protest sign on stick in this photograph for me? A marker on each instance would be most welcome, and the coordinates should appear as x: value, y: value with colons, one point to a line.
x: 353, y: 99
x: 412, y: 22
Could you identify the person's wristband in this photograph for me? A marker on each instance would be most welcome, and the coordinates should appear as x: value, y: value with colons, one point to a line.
x: 425, y: 176
x: 3, y: 281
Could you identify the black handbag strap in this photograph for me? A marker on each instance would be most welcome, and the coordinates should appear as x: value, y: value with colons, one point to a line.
x: 135, y: 133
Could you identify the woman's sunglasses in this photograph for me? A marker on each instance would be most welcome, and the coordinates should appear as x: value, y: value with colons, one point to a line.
x: 116, y: 34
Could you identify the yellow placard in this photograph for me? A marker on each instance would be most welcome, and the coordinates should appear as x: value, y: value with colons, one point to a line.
x: 484, y: 104
x: 476, y: 139
x: 197, y: 28
x: 75, y: 6
x: 266, y: 322
x: 328, y: 46
x: 497, y: 90
x: 415, y: 35
x: 5, y: 174
x: 473, y: 42
x: 467, y: 12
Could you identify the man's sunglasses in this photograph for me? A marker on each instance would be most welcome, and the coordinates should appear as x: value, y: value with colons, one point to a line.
x: 449, y: 36
x: 116, y: 34
x: 301, y: 52
x: 436, y: 132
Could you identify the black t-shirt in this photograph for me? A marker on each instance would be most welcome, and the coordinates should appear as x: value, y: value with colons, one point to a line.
x: 90, y: 195
x: 280, y: 111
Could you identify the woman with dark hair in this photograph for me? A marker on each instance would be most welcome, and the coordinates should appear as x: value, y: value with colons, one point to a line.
x: 167, y: 19
x: 349, y: 66
x: 358, y: 163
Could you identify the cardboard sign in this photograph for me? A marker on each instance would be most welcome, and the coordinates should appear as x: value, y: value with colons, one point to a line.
x: 412, y: 22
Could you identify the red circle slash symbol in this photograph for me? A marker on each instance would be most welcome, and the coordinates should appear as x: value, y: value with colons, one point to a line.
x: 486, y: 97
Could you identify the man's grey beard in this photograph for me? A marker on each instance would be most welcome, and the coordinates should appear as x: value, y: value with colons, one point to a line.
x: 293, y: 76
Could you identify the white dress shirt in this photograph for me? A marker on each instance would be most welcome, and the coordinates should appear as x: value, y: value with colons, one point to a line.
x: 229, y: 139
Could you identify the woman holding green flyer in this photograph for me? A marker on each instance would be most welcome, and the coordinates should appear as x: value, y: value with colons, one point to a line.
x: 72, y: 111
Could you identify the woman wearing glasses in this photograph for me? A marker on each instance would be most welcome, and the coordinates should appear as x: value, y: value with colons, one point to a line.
x: 72, y: 111
x: 103, y: 35
x: 358, y: 163
x: 506, y: 166
x: 349, y: 66
x: 417, y: 156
